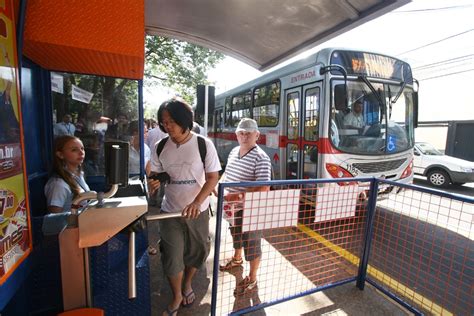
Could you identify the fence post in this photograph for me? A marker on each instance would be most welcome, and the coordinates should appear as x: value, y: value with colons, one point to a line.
x: 374, y: 185
x: 220, y: 199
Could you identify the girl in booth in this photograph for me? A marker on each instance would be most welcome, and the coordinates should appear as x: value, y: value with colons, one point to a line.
x: 67, y: 179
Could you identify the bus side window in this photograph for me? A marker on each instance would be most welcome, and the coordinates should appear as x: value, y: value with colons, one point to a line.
x: 266, y: 104
x: 240, y: 108
x: 227, y: 112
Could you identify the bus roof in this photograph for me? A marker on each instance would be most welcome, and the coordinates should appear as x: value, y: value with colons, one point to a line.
x: 318, y: 57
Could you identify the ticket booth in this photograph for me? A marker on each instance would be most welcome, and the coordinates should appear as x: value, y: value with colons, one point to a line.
x: 75, y: 68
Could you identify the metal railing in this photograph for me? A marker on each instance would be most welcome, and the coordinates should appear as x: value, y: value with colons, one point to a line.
x: 310, y: 235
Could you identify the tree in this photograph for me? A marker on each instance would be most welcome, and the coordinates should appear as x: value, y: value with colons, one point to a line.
x: 178, y: 65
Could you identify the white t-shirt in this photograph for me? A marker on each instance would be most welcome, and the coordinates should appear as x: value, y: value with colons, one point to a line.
x: 354, y: 120
x: 185, y: 168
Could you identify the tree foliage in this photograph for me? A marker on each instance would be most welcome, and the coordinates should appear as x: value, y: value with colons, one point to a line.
x: 111, y: 96
x: 178, y: 65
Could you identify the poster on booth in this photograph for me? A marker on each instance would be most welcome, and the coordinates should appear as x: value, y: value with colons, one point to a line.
x: 15, y: 241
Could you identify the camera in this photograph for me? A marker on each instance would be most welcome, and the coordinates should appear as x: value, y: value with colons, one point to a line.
x: 163, y: 177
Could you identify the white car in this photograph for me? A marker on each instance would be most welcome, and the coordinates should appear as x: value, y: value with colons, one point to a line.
x: 440, y: 169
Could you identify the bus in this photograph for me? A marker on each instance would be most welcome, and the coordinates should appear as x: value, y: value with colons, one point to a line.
x: 302, y: 111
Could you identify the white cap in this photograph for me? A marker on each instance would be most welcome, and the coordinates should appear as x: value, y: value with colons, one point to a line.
x: 247, y: 125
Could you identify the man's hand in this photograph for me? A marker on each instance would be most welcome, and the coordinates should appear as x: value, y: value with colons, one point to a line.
x: 192, y: 211
x: 234, y: 197
x: 153, y: 185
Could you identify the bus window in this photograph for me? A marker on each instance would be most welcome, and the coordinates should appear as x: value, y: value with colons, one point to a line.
x: 240, y: 108
x: 266, y: 101
x: 293, y: 105
x: 311, y: 126
x: 376, y: 121
x: 292, y: 161
x: 310, y: 162
x: 97, y: 108
x: 228, y: 112
x: 219, y: 120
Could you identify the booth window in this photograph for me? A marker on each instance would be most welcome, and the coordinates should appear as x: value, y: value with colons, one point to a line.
x: 95, y: 109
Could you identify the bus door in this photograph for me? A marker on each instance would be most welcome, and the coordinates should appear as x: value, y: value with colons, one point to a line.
x: 302, y: 131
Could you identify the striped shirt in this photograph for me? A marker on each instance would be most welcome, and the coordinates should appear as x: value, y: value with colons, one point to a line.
x: 253, y: 166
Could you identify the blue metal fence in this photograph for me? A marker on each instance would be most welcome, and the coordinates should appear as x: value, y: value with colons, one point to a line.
x: 338, y: 236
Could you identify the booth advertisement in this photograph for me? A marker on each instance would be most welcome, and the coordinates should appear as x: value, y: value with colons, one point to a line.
x: 15, y: 240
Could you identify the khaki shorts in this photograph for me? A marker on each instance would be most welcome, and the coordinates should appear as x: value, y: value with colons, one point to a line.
x: 250, y: 241
x: 184, y: 243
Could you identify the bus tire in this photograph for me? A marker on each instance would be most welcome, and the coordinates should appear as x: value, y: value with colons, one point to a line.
x: 438, y: 178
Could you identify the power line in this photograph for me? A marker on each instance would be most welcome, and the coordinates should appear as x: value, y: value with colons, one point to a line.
x: 436, y: 42
x: 445, y: 75
x: 435, y: 9
x: 443, y: 62
x: 441, y: 71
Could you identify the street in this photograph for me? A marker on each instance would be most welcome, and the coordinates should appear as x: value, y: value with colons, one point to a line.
x: 466, y: 189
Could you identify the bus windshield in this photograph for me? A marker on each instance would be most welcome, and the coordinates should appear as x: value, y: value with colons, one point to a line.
x: 378, y: 118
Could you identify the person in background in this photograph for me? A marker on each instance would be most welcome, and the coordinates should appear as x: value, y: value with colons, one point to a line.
x: 154, y: 136
x: 119, y: 130
x: 66, y: 127
x: 198, y: 129
x: 246, y: 162
x: 184, y: 240
x: 355, y: 118
x: 67, y: 179
x: 134, y: 151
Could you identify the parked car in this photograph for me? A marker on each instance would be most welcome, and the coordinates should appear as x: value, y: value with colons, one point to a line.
x: 441, y: 170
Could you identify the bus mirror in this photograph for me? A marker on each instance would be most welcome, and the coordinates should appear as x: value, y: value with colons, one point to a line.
x: 116, y: 163
x: 340, y: 97
x: 415, y: 103
x: 415, y: 109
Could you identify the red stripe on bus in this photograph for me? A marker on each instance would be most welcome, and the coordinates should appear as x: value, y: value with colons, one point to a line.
x: 325, y: 147
x: 323, y: 144
x: 262, y: 140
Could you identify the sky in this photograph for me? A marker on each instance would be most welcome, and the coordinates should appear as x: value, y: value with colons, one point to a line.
x: 435, y: 36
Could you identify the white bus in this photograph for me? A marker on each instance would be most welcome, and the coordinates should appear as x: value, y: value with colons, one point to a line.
x: 302, y: 111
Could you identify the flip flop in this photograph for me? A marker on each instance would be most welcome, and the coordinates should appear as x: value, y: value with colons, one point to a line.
x: 152, y: 250
x: 187, y: 297
x: 170, y: 312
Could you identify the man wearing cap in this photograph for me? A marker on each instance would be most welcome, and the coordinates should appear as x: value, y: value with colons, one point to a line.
x: 246, y: 162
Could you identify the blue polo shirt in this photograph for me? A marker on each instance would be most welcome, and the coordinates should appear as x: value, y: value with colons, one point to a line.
x: 59, y: 194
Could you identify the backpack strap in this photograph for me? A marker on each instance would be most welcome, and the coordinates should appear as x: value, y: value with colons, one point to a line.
x: 201, y: 145
x: 202, y: 149
x: 161, y: 144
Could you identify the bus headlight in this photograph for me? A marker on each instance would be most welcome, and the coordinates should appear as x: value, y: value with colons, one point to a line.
x: 338, y: 172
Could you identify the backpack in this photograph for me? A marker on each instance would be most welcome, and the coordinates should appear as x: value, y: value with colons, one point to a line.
x: 201, y: 145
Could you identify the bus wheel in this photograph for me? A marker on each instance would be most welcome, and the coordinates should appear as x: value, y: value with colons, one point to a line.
x: 438, y: 178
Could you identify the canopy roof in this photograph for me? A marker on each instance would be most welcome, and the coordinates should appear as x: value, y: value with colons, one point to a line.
x: 261, y: 33
x: 107, y: 37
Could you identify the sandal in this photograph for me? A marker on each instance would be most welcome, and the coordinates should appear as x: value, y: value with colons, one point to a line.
x: 171, y: 312
x: 152, y: 250
x: 232, y: 263
x: 245, y: 286
x: 188, y: 297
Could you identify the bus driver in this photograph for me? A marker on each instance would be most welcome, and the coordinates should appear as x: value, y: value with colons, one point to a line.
x: 355, y: 118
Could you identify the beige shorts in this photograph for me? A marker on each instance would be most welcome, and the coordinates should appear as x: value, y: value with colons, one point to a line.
x: 184, y: 243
